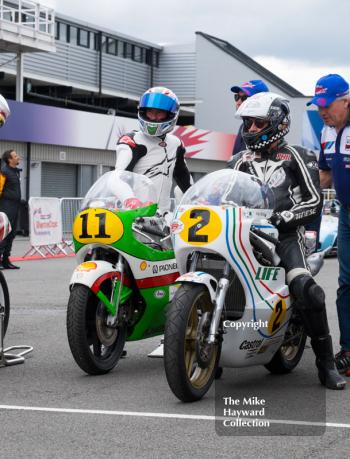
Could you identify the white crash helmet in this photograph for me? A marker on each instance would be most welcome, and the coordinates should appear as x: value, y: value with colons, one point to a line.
x: 162, y: 99
x: 265, y: 106
x: 4, y: 111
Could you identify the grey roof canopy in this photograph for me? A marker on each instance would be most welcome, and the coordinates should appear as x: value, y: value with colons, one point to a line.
x: 249, y: 62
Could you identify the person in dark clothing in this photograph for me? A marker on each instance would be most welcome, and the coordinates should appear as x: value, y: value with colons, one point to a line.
x: 10, y: 199
x: 242, y: 93
x: 292, y: 173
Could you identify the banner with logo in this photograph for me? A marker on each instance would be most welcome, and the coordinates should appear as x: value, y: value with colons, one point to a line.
x: 201, y: 144
x: 45, y: 221
x: 73, y: 128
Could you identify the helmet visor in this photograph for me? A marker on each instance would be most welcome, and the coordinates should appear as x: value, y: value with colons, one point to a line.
x: 260, y: 123
x: 159, y: 101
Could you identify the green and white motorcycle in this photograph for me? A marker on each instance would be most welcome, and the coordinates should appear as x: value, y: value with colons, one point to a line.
x: 126, y: 273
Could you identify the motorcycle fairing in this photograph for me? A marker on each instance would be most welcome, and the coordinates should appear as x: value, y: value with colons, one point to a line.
x: 199, y: 277
x: 262, y: 295
x: 125, y: 240
x: 94, y: 273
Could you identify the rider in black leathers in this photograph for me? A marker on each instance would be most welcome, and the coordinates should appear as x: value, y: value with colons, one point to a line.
x: 292, y: 173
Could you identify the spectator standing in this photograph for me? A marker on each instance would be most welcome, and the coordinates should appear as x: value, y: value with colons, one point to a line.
x: 242, y: 93
x: 333, y: 100
x: 10, y: 199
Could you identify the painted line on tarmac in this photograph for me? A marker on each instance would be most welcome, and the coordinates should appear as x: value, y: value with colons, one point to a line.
x: 46, y: 257
x: 141, y: 414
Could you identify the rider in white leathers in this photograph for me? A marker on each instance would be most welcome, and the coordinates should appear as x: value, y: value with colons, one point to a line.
x: 4, y: 111
x: 154, y: 152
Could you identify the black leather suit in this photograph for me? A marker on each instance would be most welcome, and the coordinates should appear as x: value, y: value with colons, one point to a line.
x: 292, y: 173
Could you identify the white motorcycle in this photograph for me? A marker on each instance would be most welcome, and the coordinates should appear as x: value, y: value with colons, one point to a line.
x: 233, y: 306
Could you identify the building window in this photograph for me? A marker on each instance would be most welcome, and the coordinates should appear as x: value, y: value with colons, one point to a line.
x: 120, y: 48
x: 43, y: 27
x: 128, y: 50
x: 148, y: 56
x: 152, y: 57
x: 155, y: 62
x: 138, y: 54
x: 112, y: 46
x: 62, y: 31
x: 96, y: 43
x: 57, y: 30
x: 73, y: 35
x: 104, y: 43
x: 84, y: 38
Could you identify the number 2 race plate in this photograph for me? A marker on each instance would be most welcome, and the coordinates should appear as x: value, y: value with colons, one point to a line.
x: 201, y: 226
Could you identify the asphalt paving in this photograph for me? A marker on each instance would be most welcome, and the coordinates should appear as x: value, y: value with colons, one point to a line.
x: 50, y: 409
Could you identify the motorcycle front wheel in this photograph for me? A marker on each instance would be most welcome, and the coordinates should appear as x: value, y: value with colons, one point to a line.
x: 96, y: 348
x: 4, y: 300
x: 289, y: 354
x: 190, y: 363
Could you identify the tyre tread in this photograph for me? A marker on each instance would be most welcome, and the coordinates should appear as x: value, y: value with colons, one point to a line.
x: 76, y: 311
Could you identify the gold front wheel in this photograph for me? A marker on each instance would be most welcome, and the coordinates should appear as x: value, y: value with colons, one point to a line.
x: 190, y: 362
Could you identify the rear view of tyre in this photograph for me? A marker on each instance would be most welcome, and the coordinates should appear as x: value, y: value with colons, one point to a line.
x: 96, y: 347
x: 289, y: 354
x: 4, y: 300
x: 190, y: 362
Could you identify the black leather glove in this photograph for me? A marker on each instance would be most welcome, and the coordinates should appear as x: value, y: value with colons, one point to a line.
x: 281, y: 218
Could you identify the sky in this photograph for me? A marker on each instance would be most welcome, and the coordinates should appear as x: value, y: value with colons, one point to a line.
x: 298, y: 40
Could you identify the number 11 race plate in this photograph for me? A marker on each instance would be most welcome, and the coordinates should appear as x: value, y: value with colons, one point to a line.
x: 97, y: 225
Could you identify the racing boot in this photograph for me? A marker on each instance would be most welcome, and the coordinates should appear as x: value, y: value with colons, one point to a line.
x: 327, y: 370
x: 312, y: 308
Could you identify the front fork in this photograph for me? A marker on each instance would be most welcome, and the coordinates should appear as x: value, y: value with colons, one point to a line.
x: 116, y: 292
x: 219, y: 300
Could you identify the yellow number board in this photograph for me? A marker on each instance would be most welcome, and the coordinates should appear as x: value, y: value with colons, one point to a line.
x: 278, y: 316
x: 97, y: 225
x: 201, y: 226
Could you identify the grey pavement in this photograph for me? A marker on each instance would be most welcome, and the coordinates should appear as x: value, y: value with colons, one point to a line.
x: 50, y: 379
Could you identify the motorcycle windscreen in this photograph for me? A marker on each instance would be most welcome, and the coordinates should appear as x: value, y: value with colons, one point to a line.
x: 120, y: 190
x: 230, y: 187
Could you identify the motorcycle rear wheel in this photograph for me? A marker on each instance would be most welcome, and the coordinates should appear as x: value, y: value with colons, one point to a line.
x: 95, y: 347
x: 5, y: 300
x: 189, y: 374
x: 291, y: 351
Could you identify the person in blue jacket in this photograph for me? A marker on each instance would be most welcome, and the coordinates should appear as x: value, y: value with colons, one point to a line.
x: 333, y: 102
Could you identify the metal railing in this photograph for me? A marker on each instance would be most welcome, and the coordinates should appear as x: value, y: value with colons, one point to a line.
x: 28, y: 14
x: 69, y: 209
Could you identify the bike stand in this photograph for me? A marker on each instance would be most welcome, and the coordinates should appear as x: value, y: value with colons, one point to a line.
x: 7, y: 359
